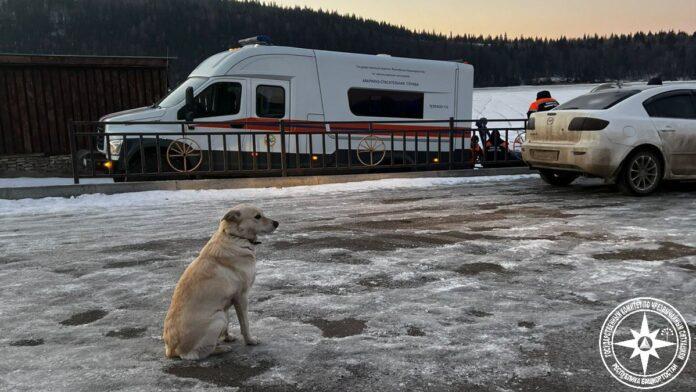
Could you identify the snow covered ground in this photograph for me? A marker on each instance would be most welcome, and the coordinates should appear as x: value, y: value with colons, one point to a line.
x: 477, y: 284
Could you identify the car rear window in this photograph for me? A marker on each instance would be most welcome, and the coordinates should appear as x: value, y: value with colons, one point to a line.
x: 598, y: 101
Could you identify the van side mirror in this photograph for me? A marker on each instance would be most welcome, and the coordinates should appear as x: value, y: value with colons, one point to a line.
x: 186, y: 112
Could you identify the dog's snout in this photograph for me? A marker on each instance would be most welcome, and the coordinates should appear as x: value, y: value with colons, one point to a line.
x: 275, y: 223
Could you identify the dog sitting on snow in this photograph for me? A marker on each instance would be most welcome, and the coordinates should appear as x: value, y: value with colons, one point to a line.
x: 220, y: 277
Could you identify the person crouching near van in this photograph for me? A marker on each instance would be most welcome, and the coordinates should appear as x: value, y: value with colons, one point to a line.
x: 544, y: 102
x: 476, y: 151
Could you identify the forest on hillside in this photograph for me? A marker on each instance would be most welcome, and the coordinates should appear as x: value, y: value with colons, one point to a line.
x: 191, y: 30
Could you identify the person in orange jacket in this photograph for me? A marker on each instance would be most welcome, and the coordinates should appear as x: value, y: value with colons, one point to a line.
x: 543, y: 103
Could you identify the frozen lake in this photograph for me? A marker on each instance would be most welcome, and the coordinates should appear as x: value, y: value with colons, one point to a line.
x: 478, y: 284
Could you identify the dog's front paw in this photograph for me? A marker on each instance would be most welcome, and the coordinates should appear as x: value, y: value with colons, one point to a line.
x: 251, y: 341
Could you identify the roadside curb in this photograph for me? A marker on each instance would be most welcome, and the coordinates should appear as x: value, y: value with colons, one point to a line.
x: 238, y: 183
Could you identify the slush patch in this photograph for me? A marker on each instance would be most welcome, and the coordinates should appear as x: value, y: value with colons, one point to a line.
x: 339, y: 328
x: 27, y: 342
x: 127, y: 333
x: 87, y: 317
x: 230, y: 372
x: 667, y: 251
x: 477, y: 268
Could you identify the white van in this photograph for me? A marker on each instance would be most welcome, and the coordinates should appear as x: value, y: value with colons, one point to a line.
x: 255, y: 86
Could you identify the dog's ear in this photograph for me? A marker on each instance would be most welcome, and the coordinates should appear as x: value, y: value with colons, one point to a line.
x: 232, y: 216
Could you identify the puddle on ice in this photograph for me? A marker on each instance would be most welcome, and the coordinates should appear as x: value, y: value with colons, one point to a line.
x: 87, y: 317
x: 227, y: 372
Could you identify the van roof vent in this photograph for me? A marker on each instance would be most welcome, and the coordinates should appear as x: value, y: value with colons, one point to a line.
x: 256, y: 40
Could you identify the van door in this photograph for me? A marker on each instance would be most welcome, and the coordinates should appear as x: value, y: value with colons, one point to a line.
x: 221, y: 100
x: 674, y: 117
x: 270, y: 102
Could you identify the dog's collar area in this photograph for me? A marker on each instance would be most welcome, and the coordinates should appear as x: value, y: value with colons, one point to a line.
x: 254, y: 242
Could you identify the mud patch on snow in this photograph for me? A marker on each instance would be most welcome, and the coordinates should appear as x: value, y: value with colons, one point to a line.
x: 479, y: 229
x: 478, y: 268
x: 127, y: 333
x: 229, y: 372
x: 414, y: 331
x: 430, y: 222
x: 478, y: 313
x: 87, y: 317
x: 129, y: 263
x: 387, y: 282
x: 26, y: 342
x: 526, y: 324
x: 402, y: 200
x: 536, y: 212
x: 666, y: 251
x: 74, y: 272
x: 342, y: 258
x: 339, y: 328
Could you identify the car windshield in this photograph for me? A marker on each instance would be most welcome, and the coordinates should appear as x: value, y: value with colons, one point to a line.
x: 597, y: 101
x: 179, y: 93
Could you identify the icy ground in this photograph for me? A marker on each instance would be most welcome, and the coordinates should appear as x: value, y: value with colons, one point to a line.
x: 483, y: 284
x: 22, y: 182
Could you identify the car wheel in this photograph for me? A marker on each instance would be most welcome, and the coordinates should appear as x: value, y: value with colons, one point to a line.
x: 641, y: 174
x: 557, y: 177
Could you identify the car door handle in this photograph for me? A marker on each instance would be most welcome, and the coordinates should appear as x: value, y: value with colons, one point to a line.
x: 667, y: 130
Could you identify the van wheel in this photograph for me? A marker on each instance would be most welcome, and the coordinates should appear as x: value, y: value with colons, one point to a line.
x: 136, y: 169
x: 557, y: 177
x: 641, y: 174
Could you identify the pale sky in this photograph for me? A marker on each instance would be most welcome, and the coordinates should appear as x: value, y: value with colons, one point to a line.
x: 543, y: 18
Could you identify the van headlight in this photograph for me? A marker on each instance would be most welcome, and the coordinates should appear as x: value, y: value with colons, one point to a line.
x: 115, y: 146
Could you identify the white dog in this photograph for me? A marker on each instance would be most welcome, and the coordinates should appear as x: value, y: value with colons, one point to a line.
x: 217, y: 279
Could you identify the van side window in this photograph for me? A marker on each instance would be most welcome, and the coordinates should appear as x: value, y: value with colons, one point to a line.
x: 219, y: 99
x: 680, y: 105
x: 383, y: 103
x: 270, y: 101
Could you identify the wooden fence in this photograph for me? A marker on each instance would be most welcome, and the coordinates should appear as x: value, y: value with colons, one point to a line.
x: 41, y: 94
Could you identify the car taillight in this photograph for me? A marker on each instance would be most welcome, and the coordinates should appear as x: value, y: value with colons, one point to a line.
x: 530, y: 124
x: 587, y: 124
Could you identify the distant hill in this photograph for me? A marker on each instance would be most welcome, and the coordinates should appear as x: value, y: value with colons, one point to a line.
x: 194, y: 29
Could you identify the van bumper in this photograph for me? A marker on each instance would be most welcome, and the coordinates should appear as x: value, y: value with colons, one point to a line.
x: 590, y: 159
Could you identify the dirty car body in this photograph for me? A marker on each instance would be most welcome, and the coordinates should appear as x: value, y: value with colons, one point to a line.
x: 618, y: 134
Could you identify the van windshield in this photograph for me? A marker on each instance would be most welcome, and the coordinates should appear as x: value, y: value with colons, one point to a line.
x: 598, y: 101
x: 179, y: 94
